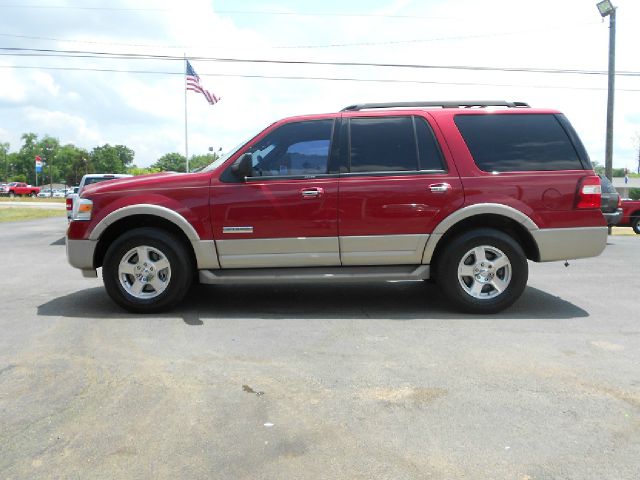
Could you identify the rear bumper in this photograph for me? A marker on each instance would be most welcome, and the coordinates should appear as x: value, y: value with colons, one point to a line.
x: 613, y: 218
x: 569, y: 243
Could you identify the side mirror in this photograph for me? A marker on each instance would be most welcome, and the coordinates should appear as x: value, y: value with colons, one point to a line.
x: 243, y: 167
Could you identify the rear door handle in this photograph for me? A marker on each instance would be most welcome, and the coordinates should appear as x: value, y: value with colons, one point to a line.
x: 311, y: 192
x: 439, y: 187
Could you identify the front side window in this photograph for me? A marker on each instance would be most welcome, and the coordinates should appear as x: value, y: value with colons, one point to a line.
x: 294, y: 149
x: 511, y: 142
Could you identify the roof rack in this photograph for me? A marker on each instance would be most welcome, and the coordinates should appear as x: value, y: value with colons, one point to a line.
x: 443, y: 104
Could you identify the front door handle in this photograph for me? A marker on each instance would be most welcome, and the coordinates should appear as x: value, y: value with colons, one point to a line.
x: 311, y: 192
x: 439, y: 187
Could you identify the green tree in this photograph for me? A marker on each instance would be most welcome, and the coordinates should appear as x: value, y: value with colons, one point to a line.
x: 24, y: 163
x: 597, y: 167
x: 72, y: 163
x: 171, y: 162
x: 48, y: 150
x: 197, y: 162
x: 634, y: 193
x: 175, y: 162
x: 126, y: 155
x: 110, y: 159
x: 135, y: 170
x: 4, y: 151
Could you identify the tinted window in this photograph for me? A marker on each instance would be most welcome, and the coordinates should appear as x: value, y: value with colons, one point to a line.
x: 430, y: 156
x: 295, y: 149
x: 507, y: 143
x: 383, y: 145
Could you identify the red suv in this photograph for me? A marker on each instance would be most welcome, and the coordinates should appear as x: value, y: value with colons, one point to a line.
x: 459, y: 192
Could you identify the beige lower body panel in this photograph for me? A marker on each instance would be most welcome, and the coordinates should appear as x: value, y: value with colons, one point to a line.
x: 322, y: 251
x: 80, y: 253
x: 382, y: 249
x: 205, y: 253
x: 279, y: 252
x: 569, y: 243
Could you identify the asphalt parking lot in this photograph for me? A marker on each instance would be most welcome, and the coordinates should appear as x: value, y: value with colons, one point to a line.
x: 360, y: 381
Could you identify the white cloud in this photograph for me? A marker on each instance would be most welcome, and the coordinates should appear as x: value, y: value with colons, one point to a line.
x: 146, y: 112
x: 67, y: 127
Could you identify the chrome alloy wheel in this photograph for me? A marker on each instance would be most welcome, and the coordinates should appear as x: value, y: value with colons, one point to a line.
x: 484, y: 272
x: 144, y: 272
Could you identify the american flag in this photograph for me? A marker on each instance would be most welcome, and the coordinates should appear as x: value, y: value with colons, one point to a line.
x: 193, y: 83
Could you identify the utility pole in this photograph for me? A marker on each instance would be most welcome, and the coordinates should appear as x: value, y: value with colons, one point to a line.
x: 607, y: 9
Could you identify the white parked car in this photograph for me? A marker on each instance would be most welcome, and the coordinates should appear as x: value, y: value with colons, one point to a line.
x: 88, y: 179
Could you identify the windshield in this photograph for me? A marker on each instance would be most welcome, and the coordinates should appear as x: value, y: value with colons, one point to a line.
x: 216, y: 163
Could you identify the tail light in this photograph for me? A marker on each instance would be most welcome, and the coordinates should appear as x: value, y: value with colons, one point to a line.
x: 589, y: 193
x: 69, y: 203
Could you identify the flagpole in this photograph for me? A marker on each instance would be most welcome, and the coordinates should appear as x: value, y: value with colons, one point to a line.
x: 186, y: 141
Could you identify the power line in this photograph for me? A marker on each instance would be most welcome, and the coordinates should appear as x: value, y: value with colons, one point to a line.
x: 75, y: 7
x: 94, y: 42
x: 562, y: 28
x: 230, y: 12
x: 139, y: 56
x: 291, y: 77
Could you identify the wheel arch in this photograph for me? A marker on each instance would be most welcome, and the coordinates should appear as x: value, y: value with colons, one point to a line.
x: 502, y: 218
x: 115, y: 229
x: 203, y: 252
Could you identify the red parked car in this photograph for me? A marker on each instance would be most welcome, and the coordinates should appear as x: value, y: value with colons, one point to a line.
x: 631, y: 215
x: 17, y: 189
x: 459, y: 192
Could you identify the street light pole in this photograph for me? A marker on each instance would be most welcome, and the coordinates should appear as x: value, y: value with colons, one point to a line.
x: 607, y: 9
x: 608, y: 166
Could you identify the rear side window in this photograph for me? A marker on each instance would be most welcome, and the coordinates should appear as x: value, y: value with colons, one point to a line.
x: 393, y: 144
x: 511, y: 143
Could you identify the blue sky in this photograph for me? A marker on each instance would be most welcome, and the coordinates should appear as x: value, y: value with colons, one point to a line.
x: 146, y: 111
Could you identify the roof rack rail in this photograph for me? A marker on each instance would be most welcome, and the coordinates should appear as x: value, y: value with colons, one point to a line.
x: 443, y: 104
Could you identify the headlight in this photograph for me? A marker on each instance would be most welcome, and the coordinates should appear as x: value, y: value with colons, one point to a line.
x: 82, y: 209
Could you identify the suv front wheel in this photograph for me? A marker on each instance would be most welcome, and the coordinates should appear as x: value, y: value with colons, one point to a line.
x: 147, y: 270
x: 483, y: 271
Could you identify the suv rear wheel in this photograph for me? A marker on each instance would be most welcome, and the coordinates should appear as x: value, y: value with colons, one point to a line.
x: 636, y: 225
x: 483, y: 271
x: 147, y: 270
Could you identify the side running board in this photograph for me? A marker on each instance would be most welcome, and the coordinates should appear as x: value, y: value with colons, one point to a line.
x: 315, y: 274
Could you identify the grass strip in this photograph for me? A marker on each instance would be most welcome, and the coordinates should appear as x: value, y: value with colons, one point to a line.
x: 32, y: 200
x: 18, y: 214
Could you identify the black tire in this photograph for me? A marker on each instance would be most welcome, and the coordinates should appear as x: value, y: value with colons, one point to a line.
x: 32, y: 194
x: 636, y: 225
x: 12, y: 195
x: 488, y: 277
x: 180, y: 271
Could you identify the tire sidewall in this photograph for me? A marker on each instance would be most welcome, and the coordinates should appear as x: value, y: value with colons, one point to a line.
x: 179, y: 260
x: 459, y: 246
x: 636, y: 225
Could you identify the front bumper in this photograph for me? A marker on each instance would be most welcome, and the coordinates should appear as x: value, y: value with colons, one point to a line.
x: 80, y: 255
